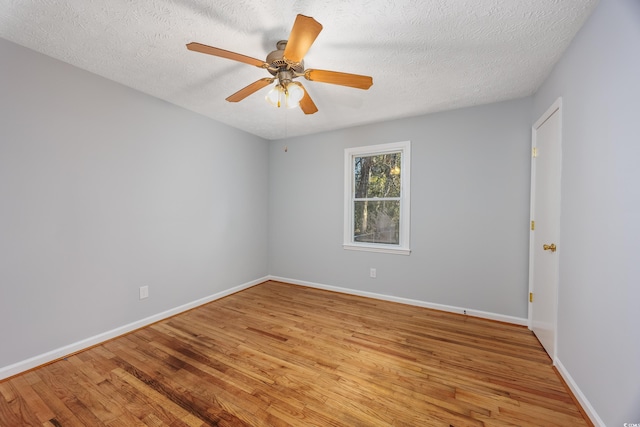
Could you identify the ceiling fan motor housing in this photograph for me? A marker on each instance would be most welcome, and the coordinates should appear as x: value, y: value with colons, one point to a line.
x: 277, y: 62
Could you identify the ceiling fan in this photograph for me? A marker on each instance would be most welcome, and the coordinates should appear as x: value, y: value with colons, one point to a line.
x: 286, y: 64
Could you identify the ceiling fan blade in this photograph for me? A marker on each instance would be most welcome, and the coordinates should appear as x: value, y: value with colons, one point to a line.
x: 343, y: 79
x: 303, y: 34
x: 306, y: 103
x: 210, y: 50
x: 253, y: 87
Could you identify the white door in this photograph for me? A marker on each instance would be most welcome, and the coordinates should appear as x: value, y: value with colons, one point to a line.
x: 545, y: 216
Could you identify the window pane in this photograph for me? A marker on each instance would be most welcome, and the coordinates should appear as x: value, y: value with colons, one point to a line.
x: 377, y: 176
x: 377, y: 222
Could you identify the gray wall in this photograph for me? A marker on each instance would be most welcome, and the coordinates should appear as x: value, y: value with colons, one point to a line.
x: 469, y: 210
x: 599, y: 311
x: 104, y: 189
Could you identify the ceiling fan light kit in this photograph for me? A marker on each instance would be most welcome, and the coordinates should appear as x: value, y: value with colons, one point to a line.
x: 288, y: 96
x: 286, y: 63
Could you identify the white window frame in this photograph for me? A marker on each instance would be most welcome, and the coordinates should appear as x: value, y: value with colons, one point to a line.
x: 350, y: 154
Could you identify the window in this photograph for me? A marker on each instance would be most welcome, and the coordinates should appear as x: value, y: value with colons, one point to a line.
x: 376, y: 195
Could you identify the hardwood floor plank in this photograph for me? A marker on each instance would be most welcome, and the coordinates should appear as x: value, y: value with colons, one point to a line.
x: 160, y: 407
x: 63, y: 415
x: 285, y: 355
x: 58, y: 376
x: 8, y: 399
x: 40, y: 409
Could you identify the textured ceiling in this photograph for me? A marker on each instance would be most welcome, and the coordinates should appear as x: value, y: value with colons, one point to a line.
x: 424, y: 55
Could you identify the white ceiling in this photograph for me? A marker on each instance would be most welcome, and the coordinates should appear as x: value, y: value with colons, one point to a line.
x: 424, y: 55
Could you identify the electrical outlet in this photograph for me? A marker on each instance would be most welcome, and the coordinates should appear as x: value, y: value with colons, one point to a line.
x: 372, y: 273
x: 144, y: 292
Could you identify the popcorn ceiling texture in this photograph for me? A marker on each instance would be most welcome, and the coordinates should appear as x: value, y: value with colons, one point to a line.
x: 424, y: 56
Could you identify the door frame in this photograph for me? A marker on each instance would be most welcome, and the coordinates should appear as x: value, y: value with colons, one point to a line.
x: 555, y: 107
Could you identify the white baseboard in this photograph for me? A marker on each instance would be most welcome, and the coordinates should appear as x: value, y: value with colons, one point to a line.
x: 522, y: 321
x: 586, y: 405
x: 50, y: 356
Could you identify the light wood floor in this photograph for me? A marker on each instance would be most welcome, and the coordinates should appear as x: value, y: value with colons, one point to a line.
x: 281, y: 355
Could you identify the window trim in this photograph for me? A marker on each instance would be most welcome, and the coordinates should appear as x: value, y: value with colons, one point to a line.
x: 403, y: 247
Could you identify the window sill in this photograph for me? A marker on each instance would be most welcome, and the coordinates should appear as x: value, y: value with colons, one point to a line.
x: 377, y: 248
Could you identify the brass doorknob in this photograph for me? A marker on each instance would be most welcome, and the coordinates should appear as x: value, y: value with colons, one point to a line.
x: 551, y: 247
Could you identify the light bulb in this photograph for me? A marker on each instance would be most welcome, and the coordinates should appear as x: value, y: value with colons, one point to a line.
x: 294, y: 94
x: 274, y: 97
